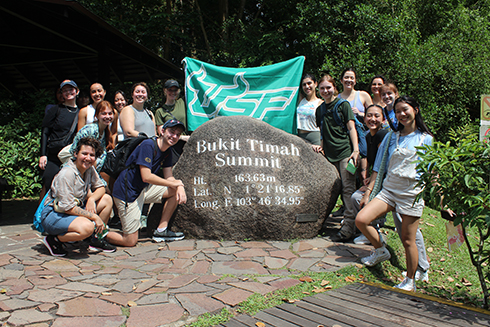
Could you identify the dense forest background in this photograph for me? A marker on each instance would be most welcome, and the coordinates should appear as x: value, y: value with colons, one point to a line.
x: 437, y: 51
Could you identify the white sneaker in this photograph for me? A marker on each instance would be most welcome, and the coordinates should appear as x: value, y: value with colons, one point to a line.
x: 361, y: 239
x: 408, y: 284
x: 419, y: 275
x: 377, y: 255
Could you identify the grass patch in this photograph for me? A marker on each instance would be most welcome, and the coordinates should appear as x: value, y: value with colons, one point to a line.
x: 447, y: 272
x: 211, y: 320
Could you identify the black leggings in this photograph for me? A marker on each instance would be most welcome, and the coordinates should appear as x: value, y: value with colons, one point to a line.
x: 53, y: 166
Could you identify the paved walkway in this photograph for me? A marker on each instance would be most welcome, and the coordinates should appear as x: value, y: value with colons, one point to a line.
x: 152, y: 284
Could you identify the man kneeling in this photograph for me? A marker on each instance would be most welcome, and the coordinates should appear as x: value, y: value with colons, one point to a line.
x: 77, y: 203
x: 139, y: 184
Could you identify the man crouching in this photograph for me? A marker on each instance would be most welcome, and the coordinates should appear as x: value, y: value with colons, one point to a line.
x: 139, y: 184
x: 77, y: 202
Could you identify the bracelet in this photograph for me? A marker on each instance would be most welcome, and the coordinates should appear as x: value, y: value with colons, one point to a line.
x: 369, y: 189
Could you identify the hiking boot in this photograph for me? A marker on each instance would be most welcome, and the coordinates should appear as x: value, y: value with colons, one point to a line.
x: 339, y: 212
x: 340, y: 237
x: 54, y: 246
x: 408, y: 284
x: 377, y: 255
x: 419, y: 275
x: 101, y: 245
x: 167, y: 236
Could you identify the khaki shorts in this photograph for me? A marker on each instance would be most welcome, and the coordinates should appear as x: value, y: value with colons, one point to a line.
x: 130, y: 214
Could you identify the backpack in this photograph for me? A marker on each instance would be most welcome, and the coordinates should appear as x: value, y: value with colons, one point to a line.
x: 115, y: 161
x: 37, y: 215
x: 361, y: 132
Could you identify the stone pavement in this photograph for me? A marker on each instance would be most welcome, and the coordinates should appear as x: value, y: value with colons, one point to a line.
x: 152, y: 284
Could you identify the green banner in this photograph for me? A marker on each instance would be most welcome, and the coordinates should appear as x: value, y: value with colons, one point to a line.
x: 268, y: 93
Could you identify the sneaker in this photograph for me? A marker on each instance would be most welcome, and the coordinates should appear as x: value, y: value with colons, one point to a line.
x: 167, y: 235
x: 419, y: 275
x: 361, y: 239
x: 54, y: 246
x: 101, y: 245
x: 377, y: 255
x: 408, y: 284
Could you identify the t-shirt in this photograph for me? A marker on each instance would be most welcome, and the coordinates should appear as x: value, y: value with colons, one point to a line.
x: 409, y: 141
x: 373, y: 145
x: 336, y: 141
x: 143, y: 155
x: 306, y: 115
x: 59, y: 125
x: 165, y: 113
x: 69, y: 185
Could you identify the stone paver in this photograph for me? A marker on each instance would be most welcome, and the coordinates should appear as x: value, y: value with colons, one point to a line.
x: 197, y: 303
x: 154, y: 315
x: 232, y: 296
x: 161, y: 284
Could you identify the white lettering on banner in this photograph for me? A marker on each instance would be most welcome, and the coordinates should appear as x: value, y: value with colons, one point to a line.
x: 247, y: 102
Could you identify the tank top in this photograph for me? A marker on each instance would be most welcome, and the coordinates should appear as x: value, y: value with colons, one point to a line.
x: 90, y: 114
x: 306, y: 115
x: 356, y: 102
x: 143, y: 122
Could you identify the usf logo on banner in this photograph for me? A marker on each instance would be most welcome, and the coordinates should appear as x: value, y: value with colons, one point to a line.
x: 267, y: 93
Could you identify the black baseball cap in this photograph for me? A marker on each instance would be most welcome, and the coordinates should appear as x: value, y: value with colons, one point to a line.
x: 170, y: 83
x: 173, y: 123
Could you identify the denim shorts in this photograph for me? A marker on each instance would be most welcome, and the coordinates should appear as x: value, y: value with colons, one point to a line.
x: 55, y: 223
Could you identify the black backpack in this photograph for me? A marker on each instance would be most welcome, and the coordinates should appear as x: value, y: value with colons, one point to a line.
x: 115, y: 161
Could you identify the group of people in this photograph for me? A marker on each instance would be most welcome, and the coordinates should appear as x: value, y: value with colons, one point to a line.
x: 394, y: 128
x: 79, y: 195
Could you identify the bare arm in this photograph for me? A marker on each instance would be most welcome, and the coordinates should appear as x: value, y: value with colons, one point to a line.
x: 365, y: 197
x: 82, y: 118
x: 351, y: 127
x: 127, y: 122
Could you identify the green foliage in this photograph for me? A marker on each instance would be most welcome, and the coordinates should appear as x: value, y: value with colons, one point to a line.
x: 19, y: 142
x: 456, y: 174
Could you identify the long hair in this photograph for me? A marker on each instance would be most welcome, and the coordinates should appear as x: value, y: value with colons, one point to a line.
x: 348, y: 69
x: 419, y: 121
x: 328, y: 78
x: 103, y: 105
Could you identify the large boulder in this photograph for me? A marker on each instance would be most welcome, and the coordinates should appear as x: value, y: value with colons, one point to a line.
x: 245, y: 179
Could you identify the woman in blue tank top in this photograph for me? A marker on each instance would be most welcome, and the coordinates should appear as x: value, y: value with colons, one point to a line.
x: 359, y: 100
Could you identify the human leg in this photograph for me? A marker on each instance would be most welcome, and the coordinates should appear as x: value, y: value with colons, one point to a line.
x: 104, y: 208
x: 423, y: 262
x: 367, y: 215
x: 348, y: 188
x: 129, y: 213
x: 410, y: 225
x: 79, y: 229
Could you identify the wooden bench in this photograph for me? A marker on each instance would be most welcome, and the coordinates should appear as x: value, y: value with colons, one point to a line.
x: 4, y: 187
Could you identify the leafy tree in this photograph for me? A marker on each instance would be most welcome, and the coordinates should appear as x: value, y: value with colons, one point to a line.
x: 456, y: 175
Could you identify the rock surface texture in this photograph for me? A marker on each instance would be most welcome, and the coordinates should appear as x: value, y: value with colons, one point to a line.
x: 248, y: 180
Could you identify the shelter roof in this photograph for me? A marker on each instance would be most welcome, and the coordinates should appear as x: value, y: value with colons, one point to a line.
x: 46, y: 41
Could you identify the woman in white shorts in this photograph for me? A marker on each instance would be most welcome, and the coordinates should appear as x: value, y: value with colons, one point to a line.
x: 399, y: 188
